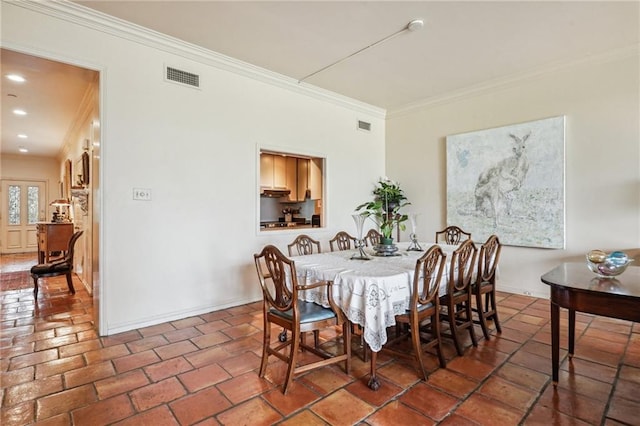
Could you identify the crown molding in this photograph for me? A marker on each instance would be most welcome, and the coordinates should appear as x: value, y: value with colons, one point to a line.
x: 89, y: 18
x: 514, y: 79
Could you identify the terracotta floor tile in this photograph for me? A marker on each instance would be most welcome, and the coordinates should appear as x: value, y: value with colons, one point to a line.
x: 211, y: 339
x: 244, y: 344
x: 399, y: 373
x: 147, y: 343
x: 88, y: 374
x: 104, y: 412
x: 159, y: 416
x: 21, y: 414
x: 508, y: 393
x: 255, y: 409
x: 157, y: 393
x: 396, y: 413
x: 342, y: 408
x: 628, y: 390
x: 489, y: 412
x: 204, y: 377
x: 470, y: 367
x: 79, y: 348
x: 187, y: 322
x: 533, y: 362
x: 323, y: 380
x: 630, y: 373
x: 440, y: 404
x: 121, y: 338
x: 207, y: 356
x: 156, y: 329
x: 171, y: 367
x: 590, y: 369
x: 104, y: 354
x: 59, y: 420
x: 175, y: 349
x: 452, y: 383
x: 61, y: 331
x: 240, y: 330
x: 585, y: 409
x: 212, y: 326
x: 15, y: 377
x: 130, y: 362
x: 297, y: 398
x: 55, y: 342
x: 584, y: 385
x: 31, y: 390
x: 523, y: 376
x: 388, y: 391
x: 624, y: 411
x: 121, y: 383
x: 241, y: 364
x: 58, y: 366
x: 304, y: 418
x: 182, y: 334
x: 197, y: 406
x: 27, y: 360
x: 544, y: 416
x: 65, y: 401
x: 244, y: 387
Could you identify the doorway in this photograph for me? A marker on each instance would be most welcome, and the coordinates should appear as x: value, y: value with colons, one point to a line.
x: 23, y: 205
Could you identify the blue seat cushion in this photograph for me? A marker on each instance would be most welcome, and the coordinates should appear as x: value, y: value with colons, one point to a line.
x: 309, y: 312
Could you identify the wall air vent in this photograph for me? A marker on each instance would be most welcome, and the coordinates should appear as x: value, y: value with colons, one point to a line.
x: 363, y: 125
x: 182, y: 77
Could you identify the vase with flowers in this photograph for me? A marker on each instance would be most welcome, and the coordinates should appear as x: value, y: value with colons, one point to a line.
x: 384, y: 210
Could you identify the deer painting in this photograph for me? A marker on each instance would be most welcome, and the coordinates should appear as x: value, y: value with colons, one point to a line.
x: 493, y: 191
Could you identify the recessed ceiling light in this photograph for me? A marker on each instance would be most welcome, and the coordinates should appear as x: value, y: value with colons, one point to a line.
x: 19, y: 112
x: 23, y: 149
x: 17, y: 78
x: 22, y: 136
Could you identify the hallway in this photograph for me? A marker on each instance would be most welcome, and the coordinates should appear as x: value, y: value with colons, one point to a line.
x: 55, y: 370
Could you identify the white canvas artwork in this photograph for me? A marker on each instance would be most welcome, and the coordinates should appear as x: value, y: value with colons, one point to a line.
x: 509, y: 181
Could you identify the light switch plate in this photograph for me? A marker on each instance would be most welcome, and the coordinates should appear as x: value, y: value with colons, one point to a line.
x: 142, y: 194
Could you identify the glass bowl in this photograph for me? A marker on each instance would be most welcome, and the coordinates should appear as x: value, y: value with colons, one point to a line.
x: 607, y: 268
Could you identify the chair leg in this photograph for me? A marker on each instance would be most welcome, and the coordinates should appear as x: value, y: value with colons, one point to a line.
x: 481, y: 315
x: 417, y: 348
x: 346, y: 337
x: 35, y: 288
x: 293, y: 359
x: 435, y: 333
x: 469, y: 322
x: 265, y: 347
x: 453, y: 327
x: 70, y: 284
x: 496, y: 321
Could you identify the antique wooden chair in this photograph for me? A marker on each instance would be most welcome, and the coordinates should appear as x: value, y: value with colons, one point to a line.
x: 372, y: 238
x: 303, y: 245
x: 282, y: 307
x: 342, y: 241
x: 485, y: 284
x: 452, y: 235
x: 62, y: 266
x: 456, y: 302
x: 424, y: 305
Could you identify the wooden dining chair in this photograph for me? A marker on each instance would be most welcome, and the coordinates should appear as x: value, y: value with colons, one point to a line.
x: 62, y: 266
x: 282, y: 306
x: 304, y: 245
x: 485, y: 285
x: 372, y: 238
x: 456, y: 303
x: 424, y: 305
x: 342, y: 241
x: 452, y: 235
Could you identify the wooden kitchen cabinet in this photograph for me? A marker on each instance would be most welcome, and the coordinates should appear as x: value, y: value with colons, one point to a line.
x: 315, y: 179
x: 273, y: 171
x: 53, y: 237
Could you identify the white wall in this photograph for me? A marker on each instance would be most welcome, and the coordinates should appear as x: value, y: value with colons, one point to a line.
x: 600, y: 100
x: 190, y: 249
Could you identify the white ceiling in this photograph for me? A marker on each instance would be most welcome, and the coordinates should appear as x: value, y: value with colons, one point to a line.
x: 462, y: 45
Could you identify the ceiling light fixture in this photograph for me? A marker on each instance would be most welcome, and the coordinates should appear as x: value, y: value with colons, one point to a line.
x: 23, y: 150
x: 22, y: 136
x: 19, y: 112
x: 414, y: 25
x: 17, y: 78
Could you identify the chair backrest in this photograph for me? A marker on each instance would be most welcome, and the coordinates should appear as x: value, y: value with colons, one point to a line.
x: 462, y: 266
x: 275, y: 271
x: 342, y: 241
x: 452, y: 235
x: 71, y: 247
x: 304, y: 244
x: 426, y: 280
x: 372, y: 238
x: 488, y: 258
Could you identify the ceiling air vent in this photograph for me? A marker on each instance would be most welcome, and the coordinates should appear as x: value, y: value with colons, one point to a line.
x: 363, y: 125
x: 182, y: 77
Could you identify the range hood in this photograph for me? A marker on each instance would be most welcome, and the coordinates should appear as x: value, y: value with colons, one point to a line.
x: 275, y: 193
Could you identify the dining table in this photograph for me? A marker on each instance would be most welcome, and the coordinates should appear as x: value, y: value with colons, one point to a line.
x: 370, y: 291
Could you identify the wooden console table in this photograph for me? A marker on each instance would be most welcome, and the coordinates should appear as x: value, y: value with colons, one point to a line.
x: 53, y: 237
x: 576, y: 288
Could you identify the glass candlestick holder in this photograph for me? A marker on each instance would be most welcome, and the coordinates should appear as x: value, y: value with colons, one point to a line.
x: 414, y: 246
x: 360, y: 245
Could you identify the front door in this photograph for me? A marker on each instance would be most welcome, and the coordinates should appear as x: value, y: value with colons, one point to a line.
x: 23, y: 205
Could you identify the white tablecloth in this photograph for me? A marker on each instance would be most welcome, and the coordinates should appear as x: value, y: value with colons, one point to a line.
x: 370, y: 292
